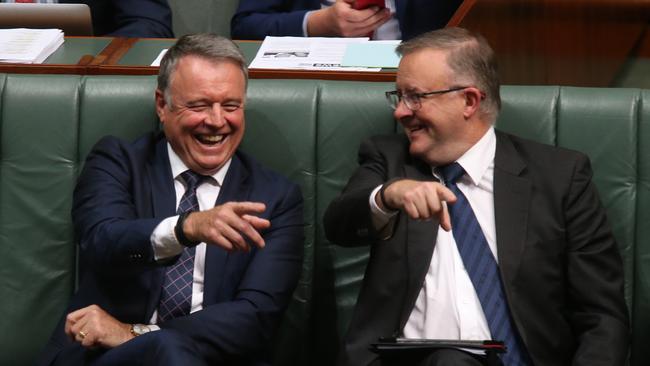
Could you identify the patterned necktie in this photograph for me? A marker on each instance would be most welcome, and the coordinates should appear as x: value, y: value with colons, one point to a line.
x: 482, y: 268
x: 176, y: 298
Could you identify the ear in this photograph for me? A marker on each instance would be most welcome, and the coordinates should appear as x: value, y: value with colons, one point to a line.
x: 161, y: 105
x: 473, y: 99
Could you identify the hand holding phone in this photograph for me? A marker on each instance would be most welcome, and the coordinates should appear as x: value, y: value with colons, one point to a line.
x: 348, y: 18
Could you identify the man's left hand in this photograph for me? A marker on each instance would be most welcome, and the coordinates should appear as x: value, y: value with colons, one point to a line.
x: 92, y: 326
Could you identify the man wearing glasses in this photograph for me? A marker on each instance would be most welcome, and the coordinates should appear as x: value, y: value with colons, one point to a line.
x: 476, y: 234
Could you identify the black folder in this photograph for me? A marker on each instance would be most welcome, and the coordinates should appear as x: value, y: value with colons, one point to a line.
x: 391, y: 347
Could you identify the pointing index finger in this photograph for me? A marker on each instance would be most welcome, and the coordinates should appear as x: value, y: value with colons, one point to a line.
x: 446, y: 197
x: 241, y: 208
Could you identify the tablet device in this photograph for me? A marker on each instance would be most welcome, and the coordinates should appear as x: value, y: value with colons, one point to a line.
x: 393, y: 348
x: 73, y: 19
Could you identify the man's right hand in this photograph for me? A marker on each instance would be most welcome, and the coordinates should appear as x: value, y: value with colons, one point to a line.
x: 228, y: 225
x: 420, y: 200
x: 341, y: 20
x: 93, y: 327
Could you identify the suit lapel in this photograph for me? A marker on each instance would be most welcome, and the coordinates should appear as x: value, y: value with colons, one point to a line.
x: 163, y: 198
x: 419, y: 244
x: 511, y: 201
x: 236, y: 187
x: 162, y: 182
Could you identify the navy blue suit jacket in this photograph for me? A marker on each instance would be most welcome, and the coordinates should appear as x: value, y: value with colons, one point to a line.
x: 124, y: 192
x: 130, y: 18
x: 256, y: 19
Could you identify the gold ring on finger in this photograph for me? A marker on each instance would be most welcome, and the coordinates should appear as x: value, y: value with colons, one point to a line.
x: 82, y: 334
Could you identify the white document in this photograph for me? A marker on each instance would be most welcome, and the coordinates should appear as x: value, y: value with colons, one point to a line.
x: 28, y: 46
x: 156, y: 62
x: 305, y: 53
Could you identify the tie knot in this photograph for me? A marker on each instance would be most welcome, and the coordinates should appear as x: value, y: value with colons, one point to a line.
x: 192, y: 179
x: 450, y: 173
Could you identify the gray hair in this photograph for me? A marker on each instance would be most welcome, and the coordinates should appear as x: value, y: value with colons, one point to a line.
x: 206, y: 45
x: 469, y: 56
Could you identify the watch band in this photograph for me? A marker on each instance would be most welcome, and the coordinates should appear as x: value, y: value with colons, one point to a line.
x: 180, y: 234
x: 381, y: 193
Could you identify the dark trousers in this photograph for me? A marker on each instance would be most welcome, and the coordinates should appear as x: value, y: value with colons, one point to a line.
x: 164, y: 347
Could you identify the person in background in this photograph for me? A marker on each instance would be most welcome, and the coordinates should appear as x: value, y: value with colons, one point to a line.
x: 476, y: 234
x: 400, y: 19
x: 124, y: 18
x: 189, y: 250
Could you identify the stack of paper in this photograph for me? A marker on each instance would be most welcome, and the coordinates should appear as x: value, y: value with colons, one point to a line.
x: 28, y: 46
x: 319, y: 53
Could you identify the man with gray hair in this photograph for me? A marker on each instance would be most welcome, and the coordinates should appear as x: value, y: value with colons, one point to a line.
x: 476, y: 234
x: 189, y: 249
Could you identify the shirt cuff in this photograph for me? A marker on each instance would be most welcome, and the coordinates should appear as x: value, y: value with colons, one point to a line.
x: 380, y: 218
x: 376, y: 210
x: 164, y: 241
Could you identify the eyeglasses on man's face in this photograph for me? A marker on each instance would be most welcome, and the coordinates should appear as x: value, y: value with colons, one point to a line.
x: 413, y: 100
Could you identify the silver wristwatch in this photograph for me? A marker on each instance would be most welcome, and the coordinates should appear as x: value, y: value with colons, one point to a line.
x: 140, y: 329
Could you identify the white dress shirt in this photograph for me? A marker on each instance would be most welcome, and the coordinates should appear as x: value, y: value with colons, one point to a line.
x: 447, y: 306
x: 163, y: 239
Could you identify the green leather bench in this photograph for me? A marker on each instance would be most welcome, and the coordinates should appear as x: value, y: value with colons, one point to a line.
x: 310, y: 131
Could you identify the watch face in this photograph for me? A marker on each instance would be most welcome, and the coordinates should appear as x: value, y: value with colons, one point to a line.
x: 140, y: 329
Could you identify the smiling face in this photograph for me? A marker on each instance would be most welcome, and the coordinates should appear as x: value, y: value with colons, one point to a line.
x: 204, y: 119
x: 445, y: 126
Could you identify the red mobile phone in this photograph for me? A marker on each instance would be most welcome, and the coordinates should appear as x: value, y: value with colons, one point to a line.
x: 362, y: 4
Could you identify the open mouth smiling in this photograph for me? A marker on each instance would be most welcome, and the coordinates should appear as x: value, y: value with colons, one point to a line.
x: 415, y: 128
x: 210, y: 139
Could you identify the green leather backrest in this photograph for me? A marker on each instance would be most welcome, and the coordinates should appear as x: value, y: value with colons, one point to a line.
x: 310, y: 131
x: 282, y: 139
x: 640, y: 253
x: 39, y: 131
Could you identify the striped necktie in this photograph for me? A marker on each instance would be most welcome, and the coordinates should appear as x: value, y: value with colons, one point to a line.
x: 483, y: 269
x: 176, y: 297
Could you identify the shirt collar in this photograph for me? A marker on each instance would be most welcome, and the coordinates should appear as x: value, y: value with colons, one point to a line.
x: 178, y: 166
x: 477, y: 160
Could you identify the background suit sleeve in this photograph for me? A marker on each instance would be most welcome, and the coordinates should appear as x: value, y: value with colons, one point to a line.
x: 256, y: 19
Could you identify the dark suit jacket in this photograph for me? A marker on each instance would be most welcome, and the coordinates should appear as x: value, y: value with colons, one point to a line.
x: 124, y: 192
x: 256, y: 19
x: 559, y: 263
x: 130, y: 18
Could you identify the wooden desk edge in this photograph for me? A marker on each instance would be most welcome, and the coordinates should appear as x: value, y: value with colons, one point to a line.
x: 261, y: 73
x: 12, y: 68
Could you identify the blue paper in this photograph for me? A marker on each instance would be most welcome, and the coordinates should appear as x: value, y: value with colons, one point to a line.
x: 371, y: 54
